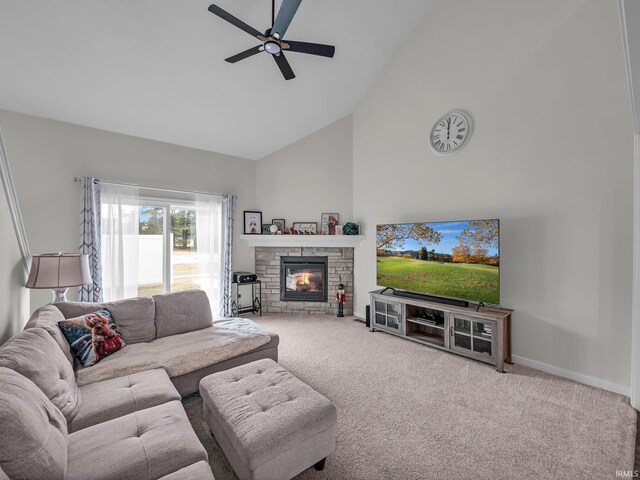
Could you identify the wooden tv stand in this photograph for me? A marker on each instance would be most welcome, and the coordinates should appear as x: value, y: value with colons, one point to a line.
x: 483, y: 335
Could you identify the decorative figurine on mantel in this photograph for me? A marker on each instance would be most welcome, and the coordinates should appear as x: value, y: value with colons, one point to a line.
x: 340, y: 296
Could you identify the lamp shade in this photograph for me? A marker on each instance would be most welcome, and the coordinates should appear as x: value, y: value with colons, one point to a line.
x: 59, y: 270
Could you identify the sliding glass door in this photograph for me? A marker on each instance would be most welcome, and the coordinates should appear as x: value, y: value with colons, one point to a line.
x: 151, y: 257
x: 172, y: 245
x: 170, y: 259
x: 183, y: 248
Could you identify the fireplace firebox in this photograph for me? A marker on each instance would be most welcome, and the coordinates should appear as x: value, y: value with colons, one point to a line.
x: 303, y: 279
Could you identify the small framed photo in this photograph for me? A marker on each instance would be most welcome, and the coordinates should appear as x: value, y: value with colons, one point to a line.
x: 305, y: 227
x: 265, y: 229
x: 329, y: 220
x: 278, y: 222
x: 252, y: 223
x: 338, y: 229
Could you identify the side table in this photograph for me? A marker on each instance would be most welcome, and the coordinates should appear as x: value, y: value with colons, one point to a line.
x: 256, y: 303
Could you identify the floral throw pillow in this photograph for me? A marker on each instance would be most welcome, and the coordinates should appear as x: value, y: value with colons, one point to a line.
x: 92, y: 336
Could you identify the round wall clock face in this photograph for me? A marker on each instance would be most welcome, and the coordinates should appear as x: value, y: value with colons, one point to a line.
x: 451, y: 133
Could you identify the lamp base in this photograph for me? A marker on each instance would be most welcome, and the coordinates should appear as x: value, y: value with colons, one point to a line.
x: 59, y: 295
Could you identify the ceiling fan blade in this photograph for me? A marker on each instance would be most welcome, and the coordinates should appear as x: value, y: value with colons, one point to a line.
x: 216, y: 10
x: 284, y: 66
x: 285, y: 15
x: 246, y: 54
x: 311, y: 48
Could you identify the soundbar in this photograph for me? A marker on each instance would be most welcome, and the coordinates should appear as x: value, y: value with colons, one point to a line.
x: 431, y: 298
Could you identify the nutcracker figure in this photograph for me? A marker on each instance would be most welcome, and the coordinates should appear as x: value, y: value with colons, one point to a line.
x: 340, y: 296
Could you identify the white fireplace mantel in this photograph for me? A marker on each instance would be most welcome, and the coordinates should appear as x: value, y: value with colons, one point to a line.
x: 324, y: 241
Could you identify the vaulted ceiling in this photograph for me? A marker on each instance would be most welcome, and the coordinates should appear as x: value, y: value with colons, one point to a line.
x: 155, y: 68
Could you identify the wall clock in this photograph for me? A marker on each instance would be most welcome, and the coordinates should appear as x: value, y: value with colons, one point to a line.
x: 451, y: 132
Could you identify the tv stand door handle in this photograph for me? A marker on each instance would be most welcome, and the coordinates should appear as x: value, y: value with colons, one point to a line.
x: 452, y: 330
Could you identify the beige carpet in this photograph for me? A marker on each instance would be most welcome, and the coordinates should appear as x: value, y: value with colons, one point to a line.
x: 406, y: 411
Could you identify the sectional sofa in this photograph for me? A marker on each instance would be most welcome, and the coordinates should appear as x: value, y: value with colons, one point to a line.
x: 121, y: 418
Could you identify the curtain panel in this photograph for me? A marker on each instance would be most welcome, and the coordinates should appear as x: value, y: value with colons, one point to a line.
x: 120, y: 224
x: 209, y: 212
x: 226, y: 266
x: 90, y: 239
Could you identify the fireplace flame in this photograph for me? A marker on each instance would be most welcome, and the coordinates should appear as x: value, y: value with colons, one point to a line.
x: 303, y: 279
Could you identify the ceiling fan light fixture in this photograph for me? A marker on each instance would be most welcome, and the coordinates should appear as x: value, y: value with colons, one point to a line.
x: 272, y: 41
x: 272, y: 47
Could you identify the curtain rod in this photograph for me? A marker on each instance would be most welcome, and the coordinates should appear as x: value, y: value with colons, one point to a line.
x: 79, y: 179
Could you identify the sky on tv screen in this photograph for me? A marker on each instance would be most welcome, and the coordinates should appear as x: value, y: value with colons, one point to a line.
x: 450, y: 232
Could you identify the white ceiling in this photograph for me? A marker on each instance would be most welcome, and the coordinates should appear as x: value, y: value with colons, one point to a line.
x: 155, y: 68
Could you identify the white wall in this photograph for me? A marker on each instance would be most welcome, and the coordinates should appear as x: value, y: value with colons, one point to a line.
x: 14, y: 297
x: 551, y: 156
x: 46, y: 155
x: 308, y: 178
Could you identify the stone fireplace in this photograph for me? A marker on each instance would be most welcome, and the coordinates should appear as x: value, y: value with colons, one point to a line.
x: 309, y: 275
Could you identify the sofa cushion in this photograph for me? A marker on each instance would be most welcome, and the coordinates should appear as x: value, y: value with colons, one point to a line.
x: 131, y: 359
x: 135, y: 317
x: 33, y: 432
x: 47, y: 317
x: 196, y: 471
x: 147, y: 444
x: 36, y: 355
x: 190, y: 351
x: 120, y: 396
x: 92, y: 337
x: 182, y: 312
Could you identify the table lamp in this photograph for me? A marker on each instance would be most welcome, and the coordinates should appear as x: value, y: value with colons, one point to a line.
x: 58, y: 272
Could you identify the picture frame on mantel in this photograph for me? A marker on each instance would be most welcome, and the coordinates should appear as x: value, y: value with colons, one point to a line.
x: 308, y: 228
x: 252, y: 222
x: 328, y: 222
x: 278, y: 222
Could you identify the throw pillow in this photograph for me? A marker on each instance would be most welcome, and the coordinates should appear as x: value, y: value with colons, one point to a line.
x: 92, y: 336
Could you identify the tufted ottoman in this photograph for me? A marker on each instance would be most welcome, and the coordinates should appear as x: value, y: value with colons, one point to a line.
x: 270, y: 425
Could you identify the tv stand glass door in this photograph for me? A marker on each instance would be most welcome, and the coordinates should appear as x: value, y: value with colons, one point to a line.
x: 387, y: 315
x: 472, y: 336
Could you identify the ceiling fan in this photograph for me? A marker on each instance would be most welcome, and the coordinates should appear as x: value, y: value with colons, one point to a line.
x: 273, y: 41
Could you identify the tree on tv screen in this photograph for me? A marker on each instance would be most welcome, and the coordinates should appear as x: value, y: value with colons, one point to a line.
x: 392, y: 237
x: 475, y: 240
x: 480, y: 233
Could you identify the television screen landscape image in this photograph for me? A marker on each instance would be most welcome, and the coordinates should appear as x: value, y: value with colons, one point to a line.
x: 450, y: 259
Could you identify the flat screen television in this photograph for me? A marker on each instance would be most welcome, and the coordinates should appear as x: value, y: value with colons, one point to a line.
x: 455, y: 260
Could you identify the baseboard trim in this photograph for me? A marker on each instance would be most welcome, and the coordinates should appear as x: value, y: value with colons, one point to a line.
x: 571, y: 375
x: 361, y: 316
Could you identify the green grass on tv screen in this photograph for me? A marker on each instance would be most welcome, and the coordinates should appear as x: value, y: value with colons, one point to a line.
x: 462, y: 280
